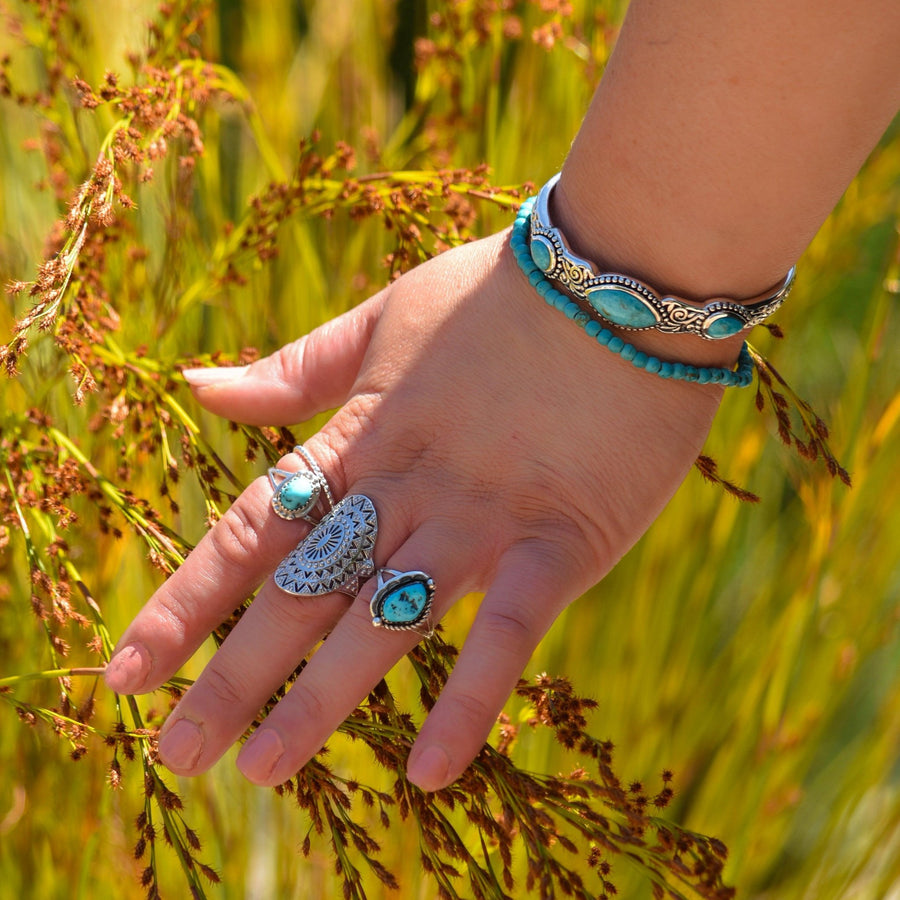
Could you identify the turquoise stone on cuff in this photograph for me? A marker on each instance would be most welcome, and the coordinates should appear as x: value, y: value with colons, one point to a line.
x: 622, y: 307
x: 722, y: 325
x: 543, y: 253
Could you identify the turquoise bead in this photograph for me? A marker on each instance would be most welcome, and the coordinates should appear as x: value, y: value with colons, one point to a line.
x: 622, y: 307
x: 592, y: 329
x: 629, y: 351
x: 653, y: 365
x: 616, y: 345
x: 296, y: 492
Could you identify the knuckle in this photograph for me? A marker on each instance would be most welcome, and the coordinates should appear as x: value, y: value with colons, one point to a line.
x: 469, y: 707
x: 289, y: 362
x: 306, y: 705
x: 355, y: 425
x: 583, y: 548
x: 225, y: 687
x: 509, y: 624
x: 235, y: 539
x: 565, y: 547
x: 173, y: 610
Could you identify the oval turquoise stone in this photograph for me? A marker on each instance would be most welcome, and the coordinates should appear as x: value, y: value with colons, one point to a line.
x: 722, y: 326
x: 622, y: 307
x: 404, y: 605
x: 542, y: 254
x: 296, y: 492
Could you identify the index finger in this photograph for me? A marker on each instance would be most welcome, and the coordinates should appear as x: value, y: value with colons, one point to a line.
x: 228, y: 564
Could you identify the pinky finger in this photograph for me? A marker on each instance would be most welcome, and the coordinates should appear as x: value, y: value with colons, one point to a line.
x: 516, y: 612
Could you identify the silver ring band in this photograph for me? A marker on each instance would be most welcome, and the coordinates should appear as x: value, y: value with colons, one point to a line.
x: 300, y: 450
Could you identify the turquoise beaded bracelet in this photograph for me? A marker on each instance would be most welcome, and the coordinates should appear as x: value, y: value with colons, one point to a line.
x: 738, y: 377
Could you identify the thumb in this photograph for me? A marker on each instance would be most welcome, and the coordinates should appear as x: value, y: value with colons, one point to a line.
x: 314, y: 373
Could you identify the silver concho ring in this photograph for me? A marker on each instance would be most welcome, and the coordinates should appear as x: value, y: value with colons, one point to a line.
x: 402, y: 601
x: 295, y: 495
x: 336, y: 555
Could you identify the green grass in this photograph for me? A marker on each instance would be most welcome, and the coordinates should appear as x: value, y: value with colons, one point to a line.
x: 752, y: 649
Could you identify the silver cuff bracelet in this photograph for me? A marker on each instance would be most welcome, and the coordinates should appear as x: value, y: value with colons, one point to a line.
x: 631, y: 304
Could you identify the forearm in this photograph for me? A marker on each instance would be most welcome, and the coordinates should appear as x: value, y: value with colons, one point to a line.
x: 722, y: 135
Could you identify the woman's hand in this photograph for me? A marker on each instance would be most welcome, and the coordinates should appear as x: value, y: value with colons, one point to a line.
x: 505, y: 453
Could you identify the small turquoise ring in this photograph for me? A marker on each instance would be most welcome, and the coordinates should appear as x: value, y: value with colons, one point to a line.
x: 402, y: 601
x: 296, y: 495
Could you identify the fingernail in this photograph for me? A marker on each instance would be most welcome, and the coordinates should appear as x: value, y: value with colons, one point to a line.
x: 180, y: 746
x: 430, y: 770
x: 260, y: 755
x: 215, y: 375
x: 127, y: 671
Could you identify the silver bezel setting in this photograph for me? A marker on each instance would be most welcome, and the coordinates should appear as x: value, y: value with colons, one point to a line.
x: 301, y: 512
x: 278, y: 478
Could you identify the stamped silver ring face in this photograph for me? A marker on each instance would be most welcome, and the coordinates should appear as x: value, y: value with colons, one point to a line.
x: 336, y: 554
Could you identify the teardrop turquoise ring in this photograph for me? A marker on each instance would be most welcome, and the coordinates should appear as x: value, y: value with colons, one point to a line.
x: 402, y: 601
x: 296, y: 495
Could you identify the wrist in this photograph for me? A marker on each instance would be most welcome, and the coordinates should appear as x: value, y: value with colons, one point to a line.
x: 620, y: 228
x: 537, y: 257
x: 706, y: 331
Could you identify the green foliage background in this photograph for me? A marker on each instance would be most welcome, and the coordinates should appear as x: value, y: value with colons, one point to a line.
x: 752, y: 649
